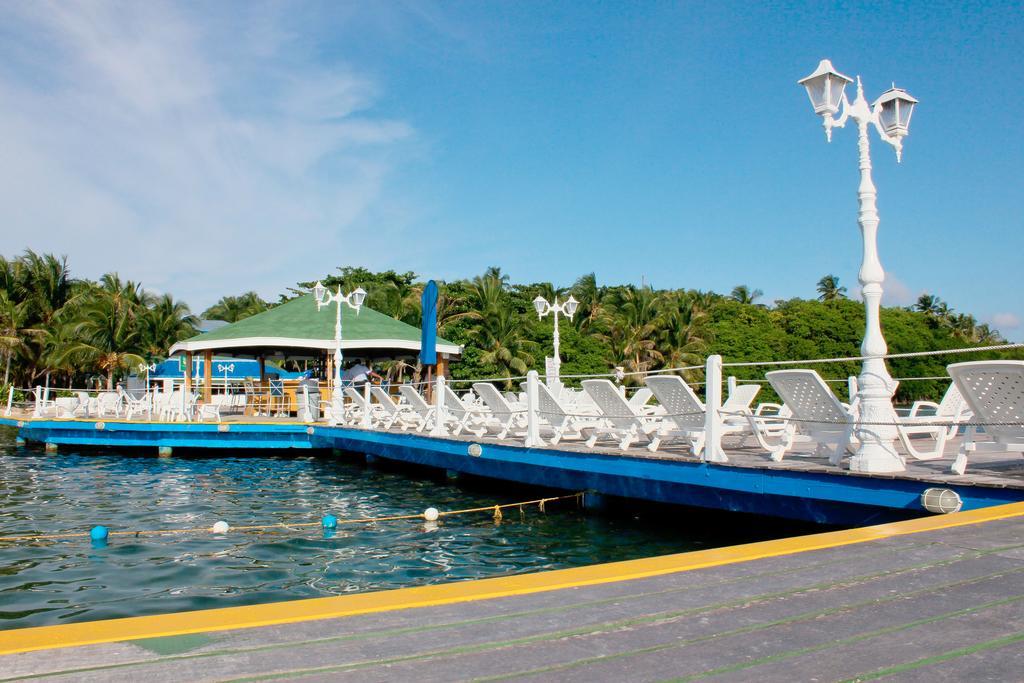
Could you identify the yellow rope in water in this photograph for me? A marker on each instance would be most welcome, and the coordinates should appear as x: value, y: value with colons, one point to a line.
x: 494, y: 509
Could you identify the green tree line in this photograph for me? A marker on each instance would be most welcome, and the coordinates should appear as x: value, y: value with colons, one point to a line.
x: 77, y: 330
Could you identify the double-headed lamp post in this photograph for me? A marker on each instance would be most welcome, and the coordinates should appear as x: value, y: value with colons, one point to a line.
x: 567, y: 307
x: 354, y: 300
x: 890, y: 115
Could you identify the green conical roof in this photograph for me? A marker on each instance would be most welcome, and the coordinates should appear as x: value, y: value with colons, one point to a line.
x: 299, y: 324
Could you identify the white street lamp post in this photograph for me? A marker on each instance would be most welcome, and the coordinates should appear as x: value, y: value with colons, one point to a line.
x: 354, y: 300
x: 568, y: 307
x: 890, y: 115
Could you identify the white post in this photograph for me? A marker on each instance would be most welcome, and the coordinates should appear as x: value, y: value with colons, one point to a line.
x: 439, y: 429
x: 533, y: 439
x: 877, y: 452
x: 731, y: 384
x: 307, y: 414
x: 10, y: 400
x: 38, y: 410
x: 365, y: 421
x: 851, y: 387
x: 712, y: 419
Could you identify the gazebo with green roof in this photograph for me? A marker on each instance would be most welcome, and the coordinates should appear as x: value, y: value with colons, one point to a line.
x: 297, y: 329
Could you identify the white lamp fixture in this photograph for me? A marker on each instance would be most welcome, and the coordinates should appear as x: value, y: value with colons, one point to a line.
x: 568, y: 308
x: 354, y: 300
x: 894, y: 108
x: 890, y: 115
x: 825, y: 88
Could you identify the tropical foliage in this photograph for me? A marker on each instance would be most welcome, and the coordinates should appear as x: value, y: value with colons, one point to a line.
x: 77, y: 330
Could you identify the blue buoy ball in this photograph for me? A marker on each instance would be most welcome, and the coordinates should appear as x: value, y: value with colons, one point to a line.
x: 98, y: 533
x: 330, y: 522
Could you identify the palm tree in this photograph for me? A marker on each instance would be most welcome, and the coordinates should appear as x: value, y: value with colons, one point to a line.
x: 683, y: 335
x: 928, y: 303
x: 589, y: 295
x: 234, y: 308
x: 165, y: 322
x: 829, y: 289
x: 500, y: 338
x: 108, y: 337
x: 633, y: 322
x: 486, y: 295
x: 745, y: 295
x: 14, y: 333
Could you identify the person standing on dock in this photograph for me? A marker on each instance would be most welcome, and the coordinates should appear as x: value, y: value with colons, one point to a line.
x: 358, y: 375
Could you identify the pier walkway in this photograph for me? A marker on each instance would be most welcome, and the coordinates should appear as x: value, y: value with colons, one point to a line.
x: 939, y: 598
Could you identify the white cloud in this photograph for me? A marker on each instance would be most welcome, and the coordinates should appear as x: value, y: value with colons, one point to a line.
x: 201, y: 155
x: 1005, y: 321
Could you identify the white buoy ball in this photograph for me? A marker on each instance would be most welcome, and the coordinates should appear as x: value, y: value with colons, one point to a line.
x: 221, y: 528
x: 431, y: 514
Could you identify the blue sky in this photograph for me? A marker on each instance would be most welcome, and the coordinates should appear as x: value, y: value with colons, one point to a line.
x: 212, y: 148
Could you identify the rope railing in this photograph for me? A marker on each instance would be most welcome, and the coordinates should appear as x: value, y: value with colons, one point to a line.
x: 888, y: 356
x: 428, y: 515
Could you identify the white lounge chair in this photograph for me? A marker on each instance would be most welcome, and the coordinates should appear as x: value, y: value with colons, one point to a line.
x: 565, y: 421
x: 395, y: 413
x: 418, y: 404
x: 462, y: 415
x: 638, y: 401
x: 358, y: 406
x: 626, y: 424
x: 952, y: 410
x: 682, y: 409
x: 506, y: 414
x: 994, y: 391
x: 737, y: 405
x: 818, y: 416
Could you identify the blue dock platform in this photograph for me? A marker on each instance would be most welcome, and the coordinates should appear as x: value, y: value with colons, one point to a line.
x: 802, y: 486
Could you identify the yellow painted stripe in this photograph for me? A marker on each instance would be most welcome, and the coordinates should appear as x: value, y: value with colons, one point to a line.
x: 132, y: 628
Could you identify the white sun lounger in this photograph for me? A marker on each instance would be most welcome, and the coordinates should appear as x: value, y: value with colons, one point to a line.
x: 626, y: 424
x: 463, y: 416
x: 506, y: 414
x: 418, y: 404
x: 403, y: 415
x: 565, y: 422
x: 818, y: 416
x: 994, y: 391
x: 952, y: 409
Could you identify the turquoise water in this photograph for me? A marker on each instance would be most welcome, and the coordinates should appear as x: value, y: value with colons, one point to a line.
x: 69, y: 580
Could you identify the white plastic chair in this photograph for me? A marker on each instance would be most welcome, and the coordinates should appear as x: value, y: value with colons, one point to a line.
x: 952, y: 409
x: 994, y: 391
x: 462, y: 415
x: 403, y: 415
x: 819, y: 416
x: 508, y: 415
x: 638, y: 401
x: 684, y: 412
x: 626, y: 424
x: 565, y: 420
x: 358, y: 407
x: 136, y: 406
x: 108, y: 403
x: 418, y: 404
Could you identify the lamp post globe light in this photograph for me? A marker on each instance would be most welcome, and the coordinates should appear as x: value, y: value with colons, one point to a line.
x: 890, y: 116
x: 353, y: 300
x: 568, y: 308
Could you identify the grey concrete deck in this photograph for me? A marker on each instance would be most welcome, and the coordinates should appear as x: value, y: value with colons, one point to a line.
x: 935, y: 605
